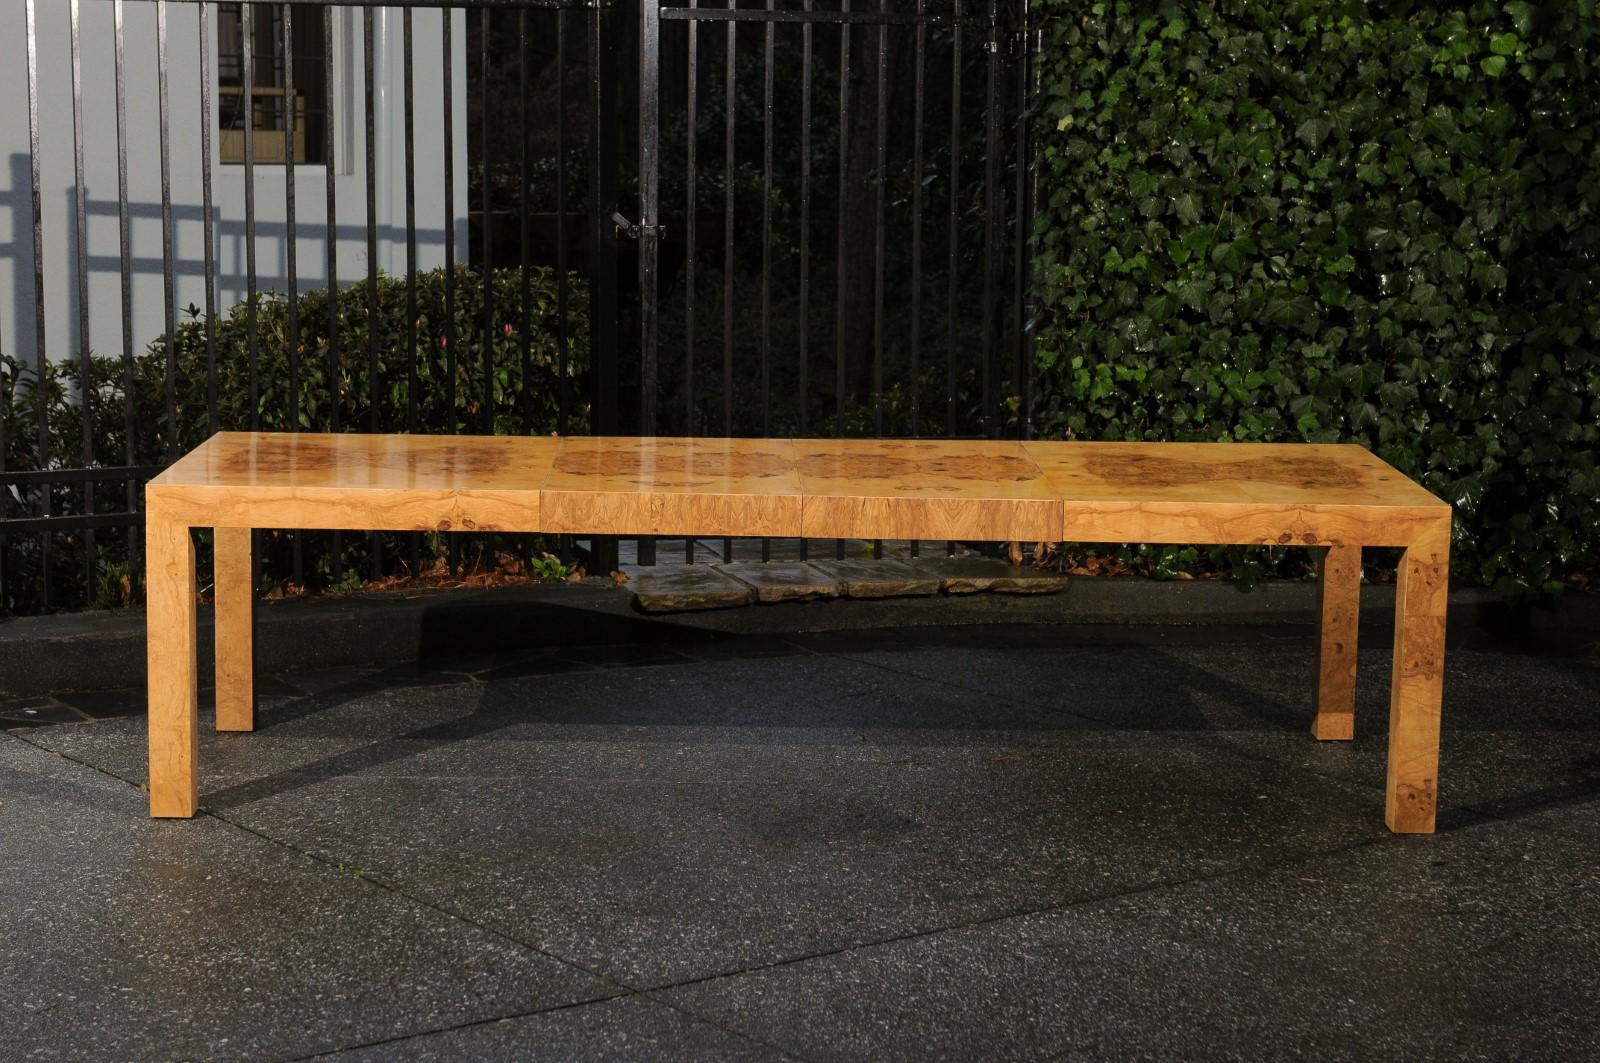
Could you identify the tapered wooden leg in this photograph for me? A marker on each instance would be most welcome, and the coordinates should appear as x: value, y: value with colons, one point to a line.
x: 172, y: 657
x: 235, y: 646
x: 1417, y: 688
x: 1339, y: 603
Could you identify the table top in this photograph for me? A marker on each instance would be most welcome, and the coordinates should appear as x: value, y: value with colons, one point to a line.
x: 1273, y: 474
x: 886, y: 488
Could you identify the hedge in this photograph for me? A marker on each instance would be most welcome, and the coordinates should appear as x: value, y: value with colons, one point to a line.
x: 1369, y: 222
x: 518, y: 405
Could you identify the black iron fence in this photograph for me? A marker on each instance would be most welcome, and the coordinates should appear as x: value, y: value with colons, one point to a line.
x: 803, y: 217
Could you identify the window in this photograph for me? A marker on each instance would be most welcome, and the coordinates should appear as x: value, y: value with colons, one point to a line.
x: 268, y: 109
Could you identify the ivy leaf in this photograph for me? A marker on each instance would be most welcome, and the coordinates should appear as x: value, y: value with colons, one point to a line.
x: 1493, y: 65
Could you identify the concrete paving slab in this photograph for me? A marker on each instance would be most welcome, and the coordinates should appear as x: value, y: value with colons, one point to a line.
x: 127, y: 938
x: 1478, y: 944
x: 664, y: 824
x: 33, y: 712
x: 627, y: 1028
x: 883, y: 578
x: 802, y: 803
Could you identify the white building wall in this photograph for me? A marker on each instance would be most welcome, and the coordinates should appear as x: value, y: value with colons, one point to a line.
x: 57, y: 185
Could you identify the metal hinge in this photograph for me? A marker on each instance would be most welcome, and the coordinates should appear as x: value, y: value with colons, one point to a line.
x: 635, y: 230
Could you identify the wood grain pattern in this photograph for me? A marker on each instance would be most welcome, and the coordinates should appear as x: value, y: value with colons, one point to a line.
x: 1339, y: 618
x: 1291, y: 494
x: 235, y: 629
x: 1339, y: 497
x: 172, y: 660
x: 1416, y: 689
x: 615, y: 485
x: 385, y: 482
x: 924, y: 489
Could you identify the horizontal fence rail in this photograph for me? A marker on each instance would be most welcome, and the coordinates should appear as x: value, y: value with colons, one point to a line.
x: 758, y: 217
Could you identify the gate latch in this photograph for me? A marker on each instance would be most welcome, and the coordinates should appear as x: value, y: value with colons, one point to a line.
x: 635, y: 230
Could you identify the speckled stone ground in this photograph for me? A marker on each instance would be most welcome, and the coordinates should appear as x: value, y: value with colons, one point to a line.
x: 989, y: 843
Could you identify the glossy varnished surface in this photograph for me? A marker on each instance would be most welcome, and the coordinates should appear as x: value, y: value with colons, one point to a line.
x: 924, y: 489
x: 1278, y: 474
x: 272, y: 461
x: 1291, y: 493
x: 391, y: 482
x: 661, y: 486
x: 1299, y: 494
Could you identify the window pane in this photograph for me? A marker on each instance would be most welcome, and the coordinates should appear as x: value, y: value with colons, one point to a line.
x: 270, y: 105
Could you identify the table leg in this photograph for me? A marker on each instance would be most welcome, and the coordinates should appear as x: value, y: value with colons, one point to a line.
x: 1417, y: 688
x: 235, y: 638
x: 1339, y: 604
x: 172, y: 659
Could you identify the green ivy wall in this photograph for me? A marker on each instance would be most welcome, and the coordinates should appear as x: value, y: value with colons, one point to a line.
x: 1301, y: 220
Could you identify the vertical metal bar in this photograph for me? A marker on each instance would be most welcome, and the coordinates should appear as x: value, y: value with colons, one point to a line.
x: 446, y: 16
x: 1020, y: 242
x: 916, y: 226
x: 805, y: 226
x: 248, y: 102
x: 85, y: 367
x: 369, y: 99
x: 690, y: 213
x: 125, y: 254
x: 805, y: 219
x: 486, y: 146
x: 991, y: 221
x: 881, y: 165
x: 43, y: 458
x: 954, y: 263
x: 649, y: 207
x: 561, y: 219
x: 408, y: 105
x: 168, y: 291
x: 297, y: 566
x: 730, y: 108
x: 766, y: 248
x: 690, y: 239
x: 486, y: 230
x: 368, y: 62
x: 293, y: 296
x: 335, y: 368
x: 649, y: 219
x: 690, y: 289
x: 766, y: 232
x: 842, y: 280
x: 206, y: 217
x: 525, y: 318
x: 603, y: 287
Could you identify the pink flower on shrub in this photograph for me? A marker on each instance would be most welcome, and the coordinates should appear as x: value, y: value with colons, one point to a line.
x: 444, y: 341
x: 508, y: 328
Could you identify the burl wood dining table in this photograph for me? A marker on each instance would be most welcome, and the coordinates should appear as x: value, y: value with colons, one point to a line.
x: 1339, y: 498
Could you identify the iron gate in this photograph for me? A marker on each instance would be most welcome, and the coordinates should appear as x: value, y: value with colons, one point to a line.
x: 843, y: 186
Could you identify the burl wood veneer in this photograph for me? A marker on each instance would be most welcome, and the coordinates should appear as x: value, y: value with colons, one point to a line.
x: 985, y: 490
x: 1340, y: 498
x: 620, y: 485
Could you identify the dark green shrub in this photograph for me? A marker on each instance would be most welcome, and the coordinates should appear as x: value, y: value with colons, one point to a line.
x: 517, y: 405
x: 1300, y: 220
